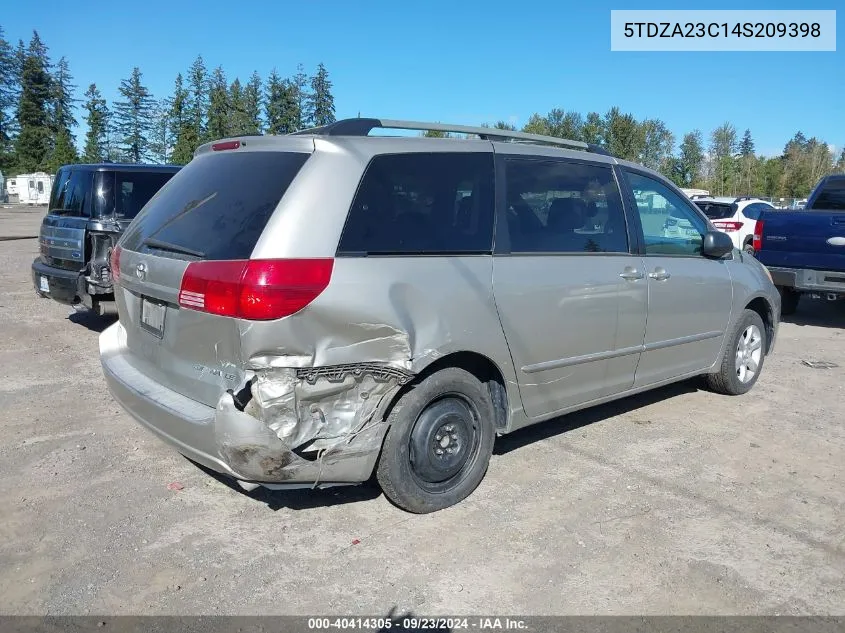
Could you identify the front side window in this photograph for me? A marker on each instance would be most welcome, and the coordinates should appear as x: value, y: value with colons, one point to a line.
x: 563, y: 207
x: 422, y: 204
x: 670, y: 226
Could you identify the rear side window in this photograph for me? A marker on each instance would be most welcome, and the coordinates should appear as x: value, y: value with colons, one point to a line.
x: 717, y: 210
x: 563, y: 207
x: 71, y: 192
x: 216, y: 207
x: 754, y: 211
x: 419, y: 204
x: 832, y: 195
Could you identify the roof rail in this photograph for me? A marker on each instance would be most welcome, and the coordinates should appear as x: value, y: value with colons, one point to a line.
x: 741, y: 198
x: 362, y: 127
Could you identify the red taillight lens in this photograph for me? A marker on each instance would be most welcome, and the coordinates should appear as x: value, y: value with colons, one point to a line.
x: 217, y: 147
x: 114, y: 263
x: 255, y: 289
x: 757, y: 240
x: 728, y: 226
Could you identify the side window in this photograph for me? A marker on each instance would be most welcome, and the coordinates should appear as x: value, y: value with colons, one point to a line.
x: 134, y: 189
x: 411, y: 204
x: 752, y: 211
x: 670, y: 226
x: 40, y: 186
x: 563, y: 207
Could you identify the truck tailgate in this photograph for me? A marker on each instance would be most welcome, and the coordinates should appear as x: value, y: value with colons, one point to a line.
x: 804, y: 239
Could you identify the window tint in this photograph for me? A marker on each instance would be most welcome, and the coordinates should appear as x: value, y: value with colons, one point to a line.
x: 670, y: 226
x: 832, y: 195
x: 422, y: 204
x: 563, y: 207
x: 716, y: 210
x: 217, y: 205
x: 754, y: 211
x: 71, y: 192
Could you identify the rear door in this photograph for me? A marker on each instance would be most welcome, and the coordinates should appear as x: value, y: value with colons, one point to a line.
x: 63, y: 228
x: 215, y: 208
x: 571, y: 297
x: 689, y: 296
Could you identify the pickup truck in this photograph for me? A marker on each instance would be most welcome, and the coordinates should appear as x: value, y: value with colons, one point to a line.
x: 805, y: 250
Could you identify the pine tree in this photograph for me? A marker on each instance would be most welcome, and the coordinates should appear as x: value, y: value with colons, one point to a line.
x: 63, y: 98
x: 252, y: 104
x: 218, y: 106
x: 32, y: 147
x: 134, y: 117
x: 299, y: 83
x: 160, y: 137
x: 198, y: 99
x: 238, y: 122
x: 320, y: 102
x: 64, y: 151
x: 97, y: 117
x: 182, y: 130
x: 8, y: 94
x: 593, y: 130
x: 275, y: 104
x: 746, y: 145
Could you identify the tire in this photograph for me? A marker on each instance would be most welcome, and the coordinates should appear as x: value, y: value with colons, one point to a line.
x: 749, y: 338
x: 788, y: 300
x: 450, y: 409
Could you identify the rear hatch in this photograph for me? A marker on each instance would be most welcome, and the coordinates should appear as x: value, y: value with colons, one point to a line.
x: 804, y: 239
x: 214, y: 209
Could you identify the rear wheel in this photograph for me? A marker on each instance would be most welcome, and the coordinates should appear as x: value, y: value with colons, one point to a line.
x: 439, y: 443
x: 788, y: 300
x: 743, y: 358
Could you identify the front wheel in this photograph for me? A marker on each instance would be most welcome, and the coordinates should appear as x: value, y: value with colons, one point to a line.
x: 743, y: 358
x: 439, y: 442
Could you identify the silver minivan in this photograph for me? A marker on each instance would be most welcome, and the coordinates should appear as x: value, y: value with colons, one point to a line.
x: 306, y: 310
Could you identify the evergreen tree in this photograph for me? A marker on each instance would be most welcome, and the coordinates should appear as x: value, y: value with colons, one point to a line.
x: 238, y: 123
x: 746, y: 145
x: 8, y: 93
x: 299, y: 84
x: 840, y: 163
x: 320, y: 101
x: 64, y: 151
x: 161, y: 140
x: 593, y: 130
x: 624, y: 136
x: 281, y: 105
x: 134, y: 117
x: 252, y: 104
x: 198, y: 99
x: 504, y: 125
x: 182, y: 130
x: 97, y: 118
x: 63, y: 98
x: 687, y: 167
x: 218, y: 106
x: 658, y: 144
x: 32, y: 146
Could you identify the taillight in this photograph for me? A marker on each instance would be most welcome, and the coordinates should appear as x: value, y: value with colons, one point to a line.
x: 114, y: 263
x: 727, y: 226
x: 218, y: 147
x: 255, y: 289
x: 757, y: 240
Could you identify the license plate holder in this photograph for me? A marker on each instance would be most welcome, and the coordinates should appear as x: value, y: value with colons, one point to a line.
x: 43, y: 284
x: 152, y: 316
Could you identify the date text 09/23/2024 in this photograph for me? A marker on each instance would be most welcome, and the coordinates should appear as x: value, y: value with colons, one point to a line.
x: 413, y: 623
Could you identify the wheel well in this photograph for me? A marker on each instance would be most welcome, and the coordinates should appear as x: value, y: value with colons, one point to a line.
x: 482, y: 368
x: 762, y: 307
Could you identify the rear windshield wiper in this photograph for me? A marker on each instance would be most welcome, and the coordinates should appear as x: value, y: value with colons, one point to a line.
x: 168, y: 246
x: 60, y: 211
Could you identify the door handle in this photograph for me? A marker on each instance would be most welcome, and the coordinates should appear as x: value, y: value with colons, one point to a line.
x: 659, y: 274
x: 631, y: 274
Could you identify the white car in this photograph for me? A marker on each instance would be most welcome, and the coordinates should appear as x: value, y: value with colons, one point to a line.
x: 735, y: 216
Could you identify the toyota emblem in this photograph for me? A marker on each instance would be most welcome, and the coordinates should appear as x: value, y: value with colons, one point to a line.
x: 141, y: 271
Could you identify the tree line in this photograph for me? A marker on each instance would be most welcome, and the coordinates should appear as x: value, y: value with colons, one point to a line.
x: 38, y: 101
x: 724, y: 163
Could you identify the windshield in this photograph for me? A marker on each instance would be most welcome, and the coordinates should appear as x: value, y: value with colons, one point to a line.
x: 716, y: 210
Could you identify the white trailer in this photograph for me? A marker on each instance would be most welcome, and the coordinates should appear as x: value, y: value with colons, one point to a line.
x: 32, y: 188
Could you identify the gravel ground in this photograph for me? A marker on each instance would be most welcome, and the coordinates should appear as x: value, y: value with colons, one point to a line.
x: 673, y: 502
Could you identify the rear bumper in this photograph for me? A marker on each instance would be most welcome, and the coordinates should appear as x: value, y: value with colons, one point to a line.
x: 66, y: 286
x: 808, y: 280
x: 225, y: 439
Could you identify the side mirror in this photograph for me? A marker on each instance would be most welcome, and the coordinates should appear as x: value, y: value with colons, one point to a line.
x: 716, y: 244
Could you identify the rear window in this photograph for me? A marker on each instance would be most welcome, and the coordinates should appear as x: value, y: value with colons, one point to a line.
x: 417, y: 204
x: 832, y: 195
x: 71, y: 192
x: 716, y: 210
x: 216, y: 207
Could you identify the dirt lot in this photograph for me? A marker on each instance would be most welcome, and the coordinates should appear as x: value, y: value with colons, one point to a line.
x: 677, y: 501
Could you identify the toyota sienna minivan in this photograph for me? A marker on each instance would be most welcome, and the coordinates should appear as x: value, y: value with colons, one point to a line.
x: 310, y: 309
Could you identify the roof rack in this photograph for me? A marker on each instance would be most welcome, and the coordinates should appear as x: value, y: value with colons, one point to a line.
x: 362, y: 127
x: 741, y: 198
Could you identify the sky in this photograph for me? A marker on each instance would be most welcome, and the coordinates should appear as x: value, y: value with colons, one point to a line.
x: 457, y: 61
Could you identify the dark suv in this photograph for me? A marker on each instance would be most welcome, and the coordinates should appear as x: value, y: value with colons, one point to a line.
x: 90, y: 206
